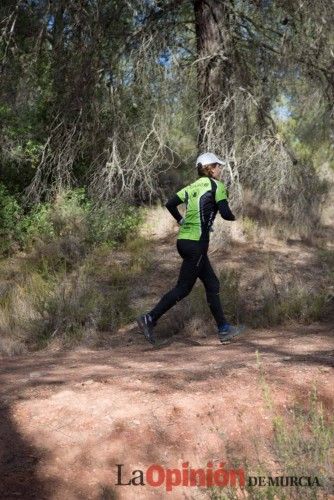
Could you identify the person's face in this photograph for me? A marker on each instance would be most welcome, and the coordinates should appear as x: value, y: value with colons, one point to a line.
x: 215, y: 170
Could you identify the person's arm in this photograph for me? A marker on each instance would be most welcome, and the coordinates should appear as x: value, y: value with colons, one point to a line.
x: 225, y: 210
x: 172, y: 204
x: 222, y: 203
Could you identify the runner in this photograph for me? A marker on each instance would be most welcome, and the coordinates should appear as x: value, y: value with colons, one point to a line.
x: 203, y: 198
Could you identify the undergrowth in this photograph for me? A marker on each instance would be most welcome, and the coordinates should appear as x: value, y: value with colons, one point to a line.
x: 302, y: 441
x: 270, y: 305
x: 293, y: 303
x: 67, y: 269
x: 302, y: 446
x: 68, y: 281
x: 96, y: 296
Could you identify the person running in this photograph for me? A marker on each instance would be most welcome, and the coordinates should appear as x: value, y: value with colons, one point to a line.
x: 203, y: 199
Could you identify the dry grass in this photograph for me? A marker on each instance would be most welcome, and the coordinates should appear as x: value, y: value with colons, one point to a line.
x: 158, y: 223
x: 297, y: 303
x: 251, y: 228
x: 303, y: 439
x: 23, y: 294
x: 273, y: 304
x: 302, y: 445
x: 96, y: 297
x: 71, y: 291
x: 56, y: 294
x: 225, y: 235
x: 11, y: 346
x: 326, y: 260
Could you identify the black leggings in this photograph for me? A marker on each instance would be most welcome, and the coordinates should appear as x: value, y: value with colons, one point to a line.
x: 195, y: 265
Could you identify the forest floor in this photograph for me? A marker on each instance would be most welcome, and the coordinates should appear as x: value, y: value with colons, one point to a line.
x: 68, y: 417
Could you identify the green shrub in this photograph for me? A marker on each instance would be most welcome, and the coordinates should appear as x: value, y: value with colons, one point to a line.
x: 36, y: 225
x: 10, y: 213
x: 70, y: 213
x: 78, y: 305
x: 113, y: 224
x: 73, y: 214
x: 295, y: 303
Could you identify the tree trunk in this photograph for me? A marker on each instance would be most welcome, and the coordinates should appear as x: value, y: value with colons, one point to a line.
x: 59, y: 58
x: 215, y: 75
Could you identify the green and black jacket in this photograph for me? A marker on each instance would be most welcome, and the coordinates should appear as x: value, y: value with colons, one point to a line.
x: 203, y: 199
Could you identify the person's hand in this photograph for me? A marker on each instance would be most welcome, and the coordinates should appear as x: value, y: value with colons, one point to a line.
x: 181, y: 222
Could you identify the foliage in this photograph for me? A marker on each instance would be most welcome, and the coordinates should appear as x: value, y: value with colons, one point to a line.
x: 36, y: 224
x: 103, y: 106
x: 109, y: 96
x: 295, y: 303
x: 10, y: 213
x: 74, y: 214
x: 71, y: 216
x: 116, y: 224
x: 56, y: 293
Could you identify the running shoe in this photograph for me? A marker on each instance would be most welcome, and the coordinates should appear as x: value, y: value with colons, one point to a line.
x: 227, y: 332
x: 146, y: 324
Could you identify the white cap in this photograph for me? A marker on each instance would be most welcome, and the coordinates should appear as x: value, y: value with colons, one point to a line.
x: 208, y: 159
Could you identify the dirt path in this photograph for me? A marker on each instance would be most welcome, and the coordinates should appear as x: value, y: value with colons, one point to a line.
x: 67, y: 418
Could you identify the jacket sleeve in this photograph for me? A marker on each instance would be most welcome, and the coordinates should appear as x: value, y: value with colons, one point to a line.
x: 221, y: 197
x: 172, y: 204
x: 225, y: 210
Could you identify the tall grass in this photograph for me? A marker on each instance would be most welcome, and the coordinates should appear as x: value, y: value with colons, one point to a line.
x: 68, y: 283
x: 299, y: 303
x: 96, y: 297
